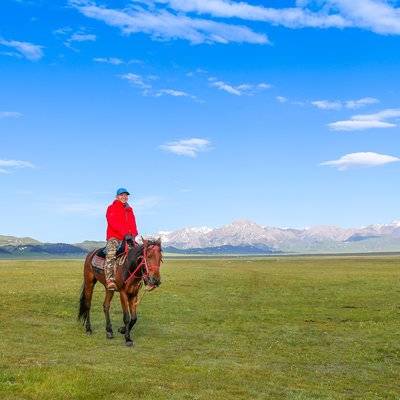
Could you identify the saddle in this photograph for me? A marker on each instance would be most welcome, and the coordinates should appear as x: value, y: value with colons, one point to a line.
x: 99, y: 258
x: 102, y: 252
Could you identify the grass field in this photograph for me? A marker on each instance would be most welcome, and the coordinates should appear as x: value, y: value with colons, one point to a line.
x: 277, y: 328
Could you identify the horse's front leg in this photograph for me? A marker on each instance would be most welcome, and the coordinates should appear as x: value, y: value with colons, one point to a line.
x: 132, y: 300
x: 106, y: 309
x: 127, y: 317
x: 132, y: 308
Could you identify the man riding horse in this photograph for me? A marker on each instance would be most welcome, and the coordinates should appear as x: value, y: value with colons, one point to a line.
x: 121, y: 225
x: 128, y: 270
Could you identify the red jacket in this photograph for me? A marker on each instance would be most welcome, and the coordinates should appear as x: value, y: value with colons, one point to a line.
x: 120, y: 221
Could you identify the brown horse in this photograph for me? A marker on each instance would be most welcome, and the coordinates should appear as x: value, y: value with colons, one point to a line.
x: 141, y: 264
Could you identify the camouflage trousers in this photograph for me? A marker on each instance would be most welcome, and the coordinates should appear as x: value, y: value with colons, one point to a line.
x: 111, y: 256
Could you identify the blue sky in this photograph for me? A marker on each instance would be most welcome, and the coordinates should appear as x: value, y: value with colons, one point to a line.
x: 286, y: 113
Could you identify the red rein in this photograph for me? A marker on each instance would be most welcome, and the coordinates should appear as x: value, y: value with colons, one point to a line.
x: 140, y: 265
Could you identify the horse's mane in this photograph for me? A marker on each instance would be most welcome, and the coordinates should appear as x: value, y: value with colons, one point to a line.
x: 137, y: 251
x: 134, y: 253
x: 154, y: 242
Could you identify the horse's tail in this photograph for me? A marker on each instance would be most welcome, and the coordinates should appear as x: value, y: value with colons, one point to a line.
x: 85, y: 297
x: 83, y: 312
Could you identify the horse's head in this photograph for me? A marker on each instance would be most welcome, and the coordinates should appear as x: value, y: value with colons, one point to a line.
x: 152, y: 254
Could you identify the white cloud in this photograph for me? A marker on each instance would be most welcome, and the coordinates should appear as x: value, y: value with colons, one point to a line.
x: 170, y: 19
x: 74, y: 37
x: 82, y: 37
x: 379, y: 16
x: 147, y: 88
x: 238, y: 90
x: 79, y: 37
x: 10, y: 54
x: 30, y: 51
x: 367, y: 121
x: 175, y: 93
x: 381, y: 115
x: 281, y: 99
x: 358, y: 125
x: 362, y: 159
x: 339, y: 104
x: 263, y: 86
x: 10, y: 114
x: 63, y: 31
x: 109, y: 60
x: 6, y: 166
x: 327, y: 105
x: 294, y: 17
x: 197, y: 71
x: 353, y: 104
x: 136, y: 80
x: 172, y: 92
x: 226, y: 88
x: 165, y: 25
x: 187, y: 147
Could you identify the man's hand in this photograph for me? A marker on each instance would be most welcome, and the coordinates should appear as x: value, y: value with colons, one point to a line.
x: 130, y: 240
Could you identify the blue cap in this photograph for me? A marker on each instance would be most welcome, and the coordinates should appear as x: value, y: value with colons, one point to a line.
x: 121, y: 191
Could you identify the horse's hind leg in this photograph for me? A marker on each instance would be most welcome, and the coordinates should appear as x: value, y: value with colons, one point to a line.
x: 85, y: 302
x: 89, y: 287
x: 106, y: 309
x: 89, y: 280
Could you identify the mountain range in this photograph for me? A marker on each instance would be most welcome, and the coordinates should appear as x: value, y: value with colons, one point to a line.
x: 317, y: 239
x: 239, y: 237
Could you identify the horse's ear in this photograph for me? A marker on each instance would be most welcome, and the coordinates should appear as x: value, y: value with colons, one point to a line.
x: 144, y: 241
x: 158, y: 241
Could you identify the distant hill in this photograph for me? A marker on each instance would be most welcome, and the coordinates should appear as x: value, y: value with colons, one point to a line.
x: 89, y: 245
x: 4, y: 252
x: 16, y: 241
x: 46, y: 250
x: 238, y: 238
x: 15, y: 247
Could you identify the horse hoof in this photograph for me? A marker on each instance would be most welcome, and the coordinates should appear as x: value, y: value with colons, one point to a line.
x: 109, y: 335
x: 89, y: 332
x: 129, y: 343
x: 122, y: 330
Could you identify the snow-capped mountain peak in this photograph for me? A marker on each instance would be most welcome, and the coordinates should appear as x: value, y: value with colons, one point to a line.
x: 248, y: 233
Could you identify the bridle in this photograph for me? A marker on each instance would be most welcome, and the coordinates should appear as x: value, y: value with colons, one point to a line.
x: 143, y: 264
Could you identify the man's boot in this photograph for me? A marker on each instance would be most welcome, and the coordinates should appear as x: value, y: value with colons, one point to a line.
x: 109, y: 275
x: 111, y: 286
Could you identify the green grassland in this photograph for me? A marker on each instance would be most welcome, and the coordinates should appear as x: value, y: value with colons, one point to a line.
x: 276, y: 328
